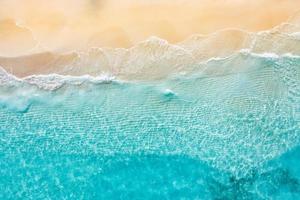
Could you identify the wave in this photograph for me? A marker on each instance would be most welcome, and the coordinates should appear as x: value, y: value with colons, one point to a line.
x: 151, y: 59
x: 52, y: 81
x: 239, y: 62
x: 156, y: 58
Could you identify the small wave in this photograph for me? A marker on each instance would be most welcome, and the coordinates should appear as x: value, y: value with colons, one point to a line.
x: 155, y: 58
x: 237, y: 62
x: 53, y: 81
x: 152, y: 59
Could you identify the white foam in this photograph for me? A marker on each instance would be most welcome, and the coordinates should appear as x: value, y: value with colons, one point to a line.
x: 52, y: 81
x: 56, y: 81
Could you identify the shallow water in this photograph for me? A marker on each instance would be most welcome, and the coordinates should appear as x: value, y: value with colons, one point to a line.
x: 216, y: 135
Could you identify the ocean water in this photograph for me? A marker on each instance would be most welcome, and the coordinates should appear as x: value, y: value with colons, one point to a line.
x: 213, y: 134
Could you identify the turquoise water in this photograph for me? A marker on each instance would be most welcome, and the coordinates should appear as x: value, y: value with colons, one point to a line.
x: 214, y: 136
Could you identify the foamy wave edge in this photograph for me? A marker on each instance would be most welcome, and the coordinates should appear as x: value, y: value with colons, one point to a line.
x: 55, y: 81
x: 155, y: 58
x: 52, y: 81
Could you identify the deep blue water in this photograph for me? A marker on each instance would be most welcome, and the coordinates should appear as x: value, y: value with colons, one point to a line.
x: 231, y: 136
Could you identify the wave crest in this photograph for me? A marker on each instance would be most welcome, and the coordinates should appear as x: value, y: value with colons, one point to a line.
x: 156, y: 58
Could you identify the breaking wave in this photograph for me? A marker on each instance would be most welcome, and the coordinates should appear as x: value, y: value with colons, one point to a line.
x: 155, y: 58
